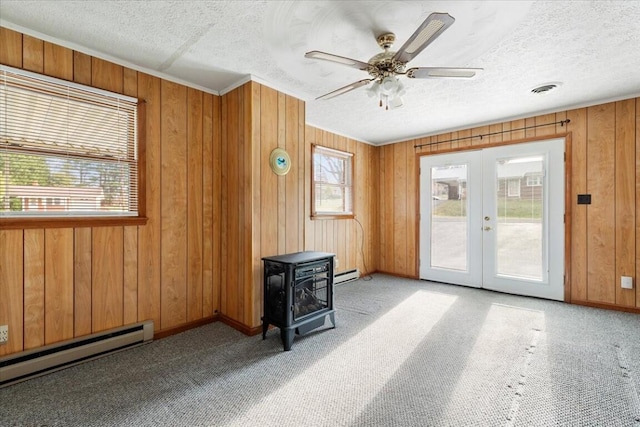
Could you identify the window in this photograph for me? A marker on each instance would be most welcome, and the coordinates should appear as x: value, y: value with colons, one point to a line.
x: 513, y: 188
x: 66, y: 142
x: 332, y: 183
x: 534, y: 180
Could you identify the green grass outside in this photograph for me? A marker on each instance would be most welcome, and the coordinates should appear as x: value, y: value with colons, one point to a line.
x: 514, y: 208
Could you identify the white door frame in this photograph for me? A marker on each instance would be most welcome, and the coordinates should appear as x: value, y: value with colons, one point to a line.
x: 554, y: 148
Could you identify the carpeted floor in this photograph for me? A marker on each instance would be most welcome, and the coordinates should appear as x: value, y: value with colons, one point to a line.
x: 404, y: 353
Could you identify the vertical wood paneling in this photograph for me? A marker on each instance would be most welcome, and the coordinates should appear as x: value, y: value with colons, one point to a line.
x: 625, y: 199
x: 281, y: 189
x: 82, y: 281
x: 174, y: 204
x: 497, y: 129
x: 637, y: 278
x: 269, y: 187
x: 33, y: 54
x: 412, y: 204
x: 107, y: 75
x: 543, y: 120
x: 129, y: 82
x: 251, y: 311
x: 59, y: 296
x: 130, y: 276
x: 110, y: 276
x: 517, y: 131
x: 303, y: 167
x: 578, y: 128
x: 217, y: 198
x: 399, y: 192
x: 58, y: 61
x: 601, y: 213
x: 194, y: 205
x: 291, y: 182
x: 34, y: 247
x: 252, y: 92
x: 81, y: 68
x: 149, y: 235
x: 224, y: 200
x: 231, y: 208
x: 10, y: 49
x: 107, y: 288
x: 207, y: 205
x: 11, y: 288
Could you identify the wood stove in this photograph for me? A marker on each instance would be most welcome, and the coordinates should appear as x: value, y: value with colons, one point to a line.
x: 298, y: 293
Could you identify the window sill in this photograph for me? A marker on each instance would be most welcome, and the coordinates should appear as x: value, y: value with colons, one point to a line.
x: 25, y: 223
x: 332, y: 216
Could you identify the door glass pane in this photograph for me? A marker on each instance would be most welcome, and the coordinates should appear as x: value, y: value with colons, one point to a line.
x: 519, y: 219
x: 449, y: 221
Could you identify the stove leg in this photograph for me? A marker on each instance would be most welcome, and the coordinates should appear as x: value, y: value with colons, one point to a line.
x: 287, y: 338
x: 265, y: 326
x: 333, y: 320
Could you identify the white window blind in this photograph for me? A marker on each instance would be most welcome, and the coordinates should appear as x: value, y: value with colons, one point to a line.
x: 65, y: 149
x: 332, y: 182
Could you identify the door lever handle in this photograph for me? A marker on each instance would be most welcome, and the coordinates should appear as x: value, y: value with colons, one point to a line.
x: 486, y: 228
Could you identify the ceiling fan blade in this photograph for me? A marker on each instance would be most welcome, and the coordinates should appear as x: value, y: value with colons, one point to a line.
x: 431, y: 28
x: 346, y: 89
x: 436, y: 73
x: 354, y: 63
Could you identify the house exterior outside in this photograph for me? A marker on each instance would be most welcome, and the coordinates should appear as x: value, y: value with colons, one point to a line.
x: 36, y: 198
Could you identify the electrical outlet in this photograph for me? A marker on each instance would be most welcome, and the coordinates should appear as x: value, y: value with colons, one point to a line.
x: 626, y: 282
x: 336, y: 263
x: 4, y: 334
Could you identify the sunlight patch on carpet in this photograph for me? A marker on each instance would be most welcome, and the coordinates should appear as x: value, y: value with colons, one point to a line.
x: 349, y: 377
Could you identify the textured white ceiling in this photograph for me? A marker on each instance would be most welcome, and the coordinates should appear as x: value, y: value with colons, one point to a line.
x: 590, y: 47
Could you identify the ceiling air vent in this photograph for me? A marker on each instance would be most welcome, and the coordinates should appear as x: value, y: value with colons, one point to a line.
x: 544, y: 88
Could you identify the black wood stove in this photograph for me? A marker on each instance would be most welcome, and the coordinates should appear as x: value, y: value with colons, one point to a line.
x: 298, y: 293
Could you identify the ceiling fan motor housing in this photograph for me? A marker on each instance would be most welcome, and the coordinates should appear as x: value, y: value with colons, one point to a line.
x: 383, y: 65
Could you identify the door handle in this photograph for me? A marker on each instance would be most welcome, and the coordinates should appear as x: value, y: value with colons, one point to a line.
x: 486, y: 228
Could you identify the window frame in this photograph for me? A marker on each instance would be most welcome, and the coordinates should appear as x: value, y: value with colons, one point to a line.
x: 68, y: 221
x: 315, y: 148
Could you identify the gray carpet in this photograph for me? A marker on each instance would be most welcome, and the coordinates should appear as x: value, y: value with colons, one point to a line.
x: 404, y: 353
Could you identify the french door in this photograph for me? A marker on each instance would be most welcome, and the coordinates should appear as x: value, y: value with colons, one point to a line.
x: 494, y: 218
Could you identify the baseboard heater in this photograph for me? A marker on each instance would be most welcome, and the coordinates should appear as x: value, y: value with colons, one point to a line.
x: 43, y: 360
x: 346, y: 276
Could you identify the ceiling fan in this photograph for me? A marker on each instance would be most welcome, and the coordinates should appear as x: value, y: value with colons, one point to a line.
x: 386, y: 66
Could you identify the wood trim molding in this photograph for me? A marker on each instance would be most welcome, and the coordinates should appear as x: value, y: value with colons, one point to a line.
x: 606, y: 306
x: 182, y: 328
x: 568, y: 210
x: 247, y: 330
x: 70, y: 222
x: 404, y: 276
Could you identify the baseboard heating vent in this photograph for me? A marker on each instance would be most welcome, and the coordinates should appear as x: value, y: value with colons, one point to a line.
x: 346, y: 276
x: 43, y: 360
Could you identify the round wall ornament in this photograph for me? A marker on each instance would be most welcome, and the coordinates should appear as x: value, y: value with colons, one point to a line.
x: 280, y: 161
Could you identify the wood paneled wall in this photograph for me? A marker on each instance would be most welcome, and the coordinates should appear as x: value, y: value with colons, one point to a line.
x: 605, y: 162
x: 355, y: 242
x: 265, y: 214
x: 214, y: 210
x: 61, y: 283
